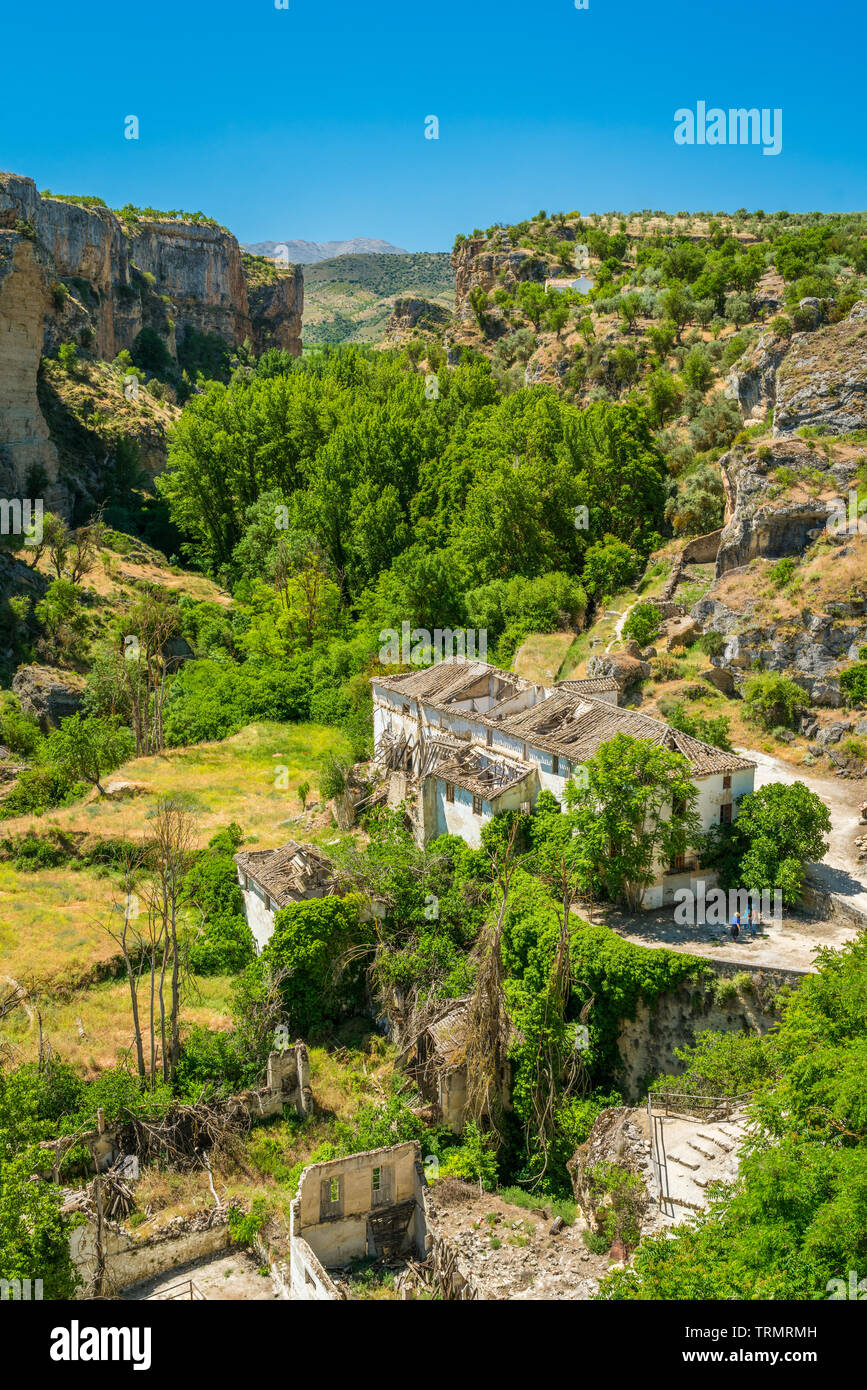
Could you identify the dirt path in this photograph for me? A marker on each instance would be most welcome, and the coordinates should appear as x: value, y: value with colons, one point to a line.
x: 789, y: 944
x: 618, y: 626
x: 840, y: 871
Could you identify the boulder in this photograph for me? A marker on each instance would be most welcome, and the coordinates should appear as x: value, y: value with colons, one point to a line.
x: 680, y: 632
x: 832, y: 733
x: 626, y: 670
x: 48, y: 694
x: 720, y: 679
x: 120, y: 790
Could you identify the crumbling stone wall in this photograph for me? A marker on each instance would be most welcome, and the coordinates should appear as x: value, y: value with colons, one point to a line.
x: 130, y: 1258
x: 350, y: 1207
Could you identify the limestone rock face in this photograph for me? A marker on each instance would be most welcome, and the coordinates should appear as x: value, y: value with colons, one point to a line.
x: 752, y: 381
x: 26, y: 450
x: 69, y: 272
x: 822, y: 381
x: 758, y: 524
x: 275, y: 312
x: 478, y: 265
x: 199, y: 268
x: 811, y: 649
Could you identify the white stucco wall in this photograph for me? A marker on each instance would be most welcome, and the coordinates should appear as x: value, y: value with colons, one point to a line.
x: 259, y: 918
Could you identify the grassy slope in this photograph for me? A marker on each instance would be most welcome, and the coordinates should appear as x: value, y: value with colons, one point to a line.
x: 52, y: 923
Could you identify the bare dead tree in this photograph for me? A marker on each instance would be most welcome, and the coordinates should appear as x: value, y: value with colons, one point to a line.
x: 171, y: 850
x: 486, y: 1041
x: 129, y: 942
x: 150, y: 938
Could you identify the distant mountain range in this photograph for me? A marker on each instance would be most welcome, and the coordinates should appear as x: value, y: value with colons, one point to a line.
x: 311, y: 252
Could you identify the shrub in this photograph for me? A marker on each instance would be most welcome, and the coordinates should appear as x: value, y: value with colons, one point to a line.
x: 712, y: 643
x: 853, y: 684
x: 665, y: 667
x: 321, y: 942
x: 771, y: 700
x: 643, y: 623
x: 67, y: 356
x: 37, y: 790
x: 609, y: 565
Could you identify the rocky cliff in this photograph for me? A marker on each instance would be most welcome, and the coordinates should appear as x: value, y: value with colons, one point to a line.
x: 78, y: 273
x: 788, y: 501
x: 488, y: 265
x: 817, y: 378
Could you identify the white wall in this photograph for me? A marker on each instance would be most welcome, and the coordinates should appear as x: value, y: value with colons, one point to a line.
x: 259, y: 918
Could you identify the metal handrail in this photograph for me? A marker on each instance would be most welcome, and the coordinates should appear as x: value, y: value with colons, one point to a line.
x: 191, y: 1292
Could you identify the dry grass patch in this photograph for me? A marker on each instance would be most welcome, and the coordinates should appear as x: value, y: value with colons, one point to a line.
x: 541, y: 655
x: 92, y: 1029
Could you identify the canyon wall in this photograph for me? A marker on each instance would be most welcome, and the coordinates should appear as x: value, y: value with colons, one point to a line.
x: 75, y: 273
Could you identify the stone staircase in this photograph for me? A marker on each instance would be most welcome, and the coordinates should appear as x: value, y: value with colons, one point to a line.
x: 688, y: 1154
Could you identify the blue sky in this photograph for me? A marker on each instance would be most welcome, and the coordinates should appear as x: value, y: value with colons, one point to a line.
x: 309, y: 122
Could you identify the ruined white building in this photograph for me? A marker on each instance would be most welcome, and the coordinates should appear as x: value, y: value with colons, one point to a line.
x: 368, y: 1204
x: 464, y: 741
x: 274, y: 878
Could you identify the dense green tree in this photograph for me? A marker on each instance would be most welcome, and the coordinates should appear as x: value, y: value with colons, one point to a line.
x: 635, y: 808
x: 87, y: 747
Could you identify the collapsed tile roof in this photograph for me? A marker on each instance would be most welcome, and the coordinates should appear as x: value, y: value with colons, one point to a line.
x: 568, y: 720
x: 596, y: 685
x: 566, y: 723
x: 481, y: 771
x: 449, y: 1032
x: 454, y: 680
x: 293, y: 871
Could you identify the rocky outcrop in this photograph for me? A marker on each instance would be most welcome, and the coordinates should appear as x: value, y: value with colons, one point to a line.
x: 753, y: 379
x: 626, y: 670
x: 487, y: 265
x: 780, y: 499
x: 413, y: 315
x: 822, y: 382
x: 275, y: 312
x: 47, y: 694
x: 817, y: 378
x: 772, y: 519
x: 811, y: 649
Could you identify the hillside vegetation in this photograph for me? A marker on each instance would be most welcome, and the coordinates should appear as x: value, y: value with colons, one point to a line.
x: 350, y: 298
